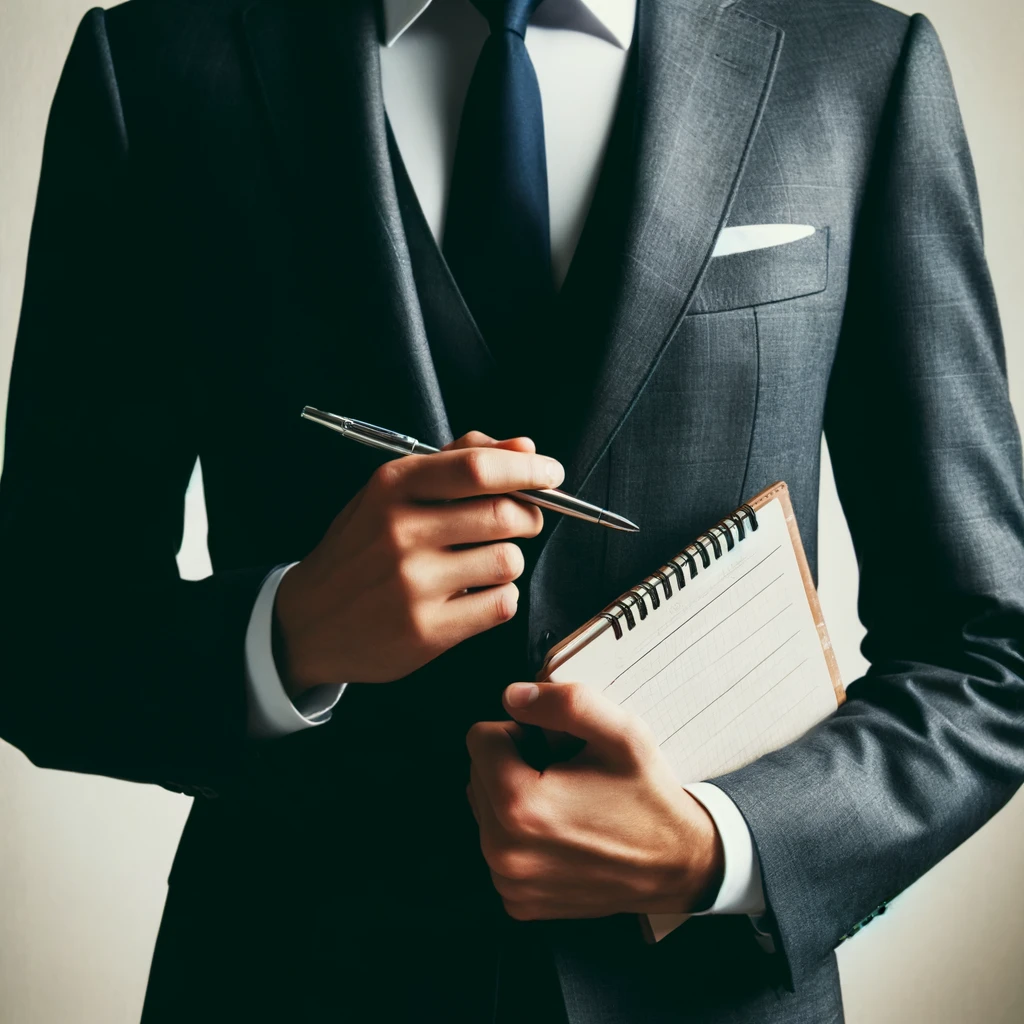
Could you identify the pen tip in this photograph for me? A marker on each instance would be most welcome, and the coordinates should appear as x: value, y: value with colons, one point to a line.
x: 617, y: 522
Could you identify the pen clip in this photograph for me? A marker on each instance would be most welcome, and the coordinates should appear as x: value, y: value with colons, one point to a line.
x: 381, y: 433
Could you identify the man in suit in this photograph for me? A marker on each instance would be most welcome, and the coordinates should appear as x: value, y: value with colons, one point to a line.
x: 249, y: 206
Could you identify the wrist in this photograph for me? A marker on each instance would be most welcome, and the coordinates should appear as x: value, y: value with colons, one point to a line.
x: 707, y: 865
x: 694, y: 866
x: 286, y: 637
x: 280, y: 654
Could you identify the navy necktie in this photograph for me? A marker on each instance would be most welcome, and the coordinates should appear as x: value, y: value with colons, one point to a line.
x: 497, y: 239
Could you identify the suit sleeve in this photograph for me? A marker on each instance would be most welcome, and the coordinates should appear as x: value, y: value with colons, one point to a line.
x: 109, y: 662
x: 927, y: 461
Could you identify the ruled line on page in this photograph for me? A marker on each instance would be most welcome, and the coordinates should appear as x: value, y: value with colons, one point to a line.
x: 753, y: 744
x: 686, y: 621
x: 730, y: 724
x: 732, y: 687
x: 710, y: 665
x: 703, y: 636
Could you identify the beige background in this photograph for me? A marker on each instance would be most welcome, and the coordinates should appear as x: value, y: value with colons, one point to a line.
x: 83, y: 860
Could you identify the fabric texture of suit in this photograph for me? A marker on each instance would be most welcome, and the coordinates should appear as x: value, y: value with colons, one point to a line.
x: 219, y: 240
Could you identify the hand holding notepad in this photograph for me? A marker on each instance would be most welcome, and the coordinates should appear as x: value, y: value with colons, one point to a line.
x: 723, y: 651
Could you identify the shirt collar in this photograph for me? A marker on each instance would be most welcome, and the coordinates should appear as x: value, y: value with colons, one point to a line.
x: 611, y: 20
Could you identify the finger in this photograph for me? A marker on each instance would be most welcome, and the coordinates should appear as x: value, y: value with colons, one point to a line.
x: 495, y: 842
x: 484, y: 565
x: 482, y: 804
x: 506, y: 778
x: 582, y: 712
x: 471, y: 521
x: 468, y: 473
x: 570, y: 887
x: 477, y: 439
x: 473, y: 439
x: 494, y: 838
x: 459, y: 618
x: 537, y: 910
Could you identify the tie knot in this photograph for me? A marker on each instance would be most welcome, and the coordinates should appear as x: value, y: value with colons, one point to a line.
x: 507, y: 15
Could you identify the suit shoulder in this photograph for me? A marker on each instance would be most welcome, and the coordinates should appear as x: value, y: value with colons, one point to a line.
x: 146, y: 35
x: 142, y: 16
x: 142, y: 8
x: 859, y: 42
x: 836, y: 21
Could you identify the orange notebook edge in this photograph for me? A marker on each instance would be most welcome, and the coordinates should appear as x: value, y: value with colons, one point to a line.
x: 781, y: 491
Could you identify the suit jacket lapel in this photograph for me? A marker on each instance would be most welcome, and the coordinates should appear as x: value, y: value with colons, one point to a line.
x: 319, y: 69
x: 704, y: 71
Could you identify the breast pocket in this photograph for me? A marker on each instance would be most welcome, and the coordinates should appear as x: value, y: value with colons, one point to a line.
x: 762, y: 276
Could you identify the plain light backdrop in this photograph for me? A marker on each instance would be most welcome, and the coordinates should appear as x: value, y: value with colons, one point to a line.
x: 83, y: 860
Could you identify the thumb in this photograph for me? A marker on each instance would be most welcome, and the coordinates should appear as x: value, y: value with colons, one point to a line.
x: 582, y: 712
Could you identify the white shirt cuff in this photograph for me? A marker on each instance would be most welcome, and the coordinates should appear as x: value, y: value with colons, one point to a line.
x: 271, y: 711
x: 741, y: 891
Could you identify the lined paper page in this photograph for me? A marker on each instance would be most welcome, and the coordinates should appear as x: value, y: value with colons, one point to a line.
x: 729, y: 667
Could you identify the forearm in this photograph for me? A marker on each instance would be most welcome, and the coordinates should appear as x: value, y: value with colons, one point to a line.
x: 847, y: 818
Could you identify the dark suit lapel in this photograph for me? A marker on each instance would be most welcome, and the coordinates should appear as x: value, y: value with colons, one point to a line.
x: 318, y: 67
x: 704, y: 72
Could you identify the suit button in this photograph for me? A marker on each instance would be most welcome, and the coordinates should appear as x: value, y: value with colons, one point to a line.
x: 543, y: 644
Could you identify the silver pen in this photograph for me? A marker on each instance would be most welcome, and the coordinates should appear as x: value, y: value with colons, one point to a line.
x: 402, y: 444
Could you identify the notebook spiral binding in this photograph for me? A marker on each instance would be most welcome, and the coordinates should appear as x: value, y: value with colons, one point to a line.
x: 706, y: 546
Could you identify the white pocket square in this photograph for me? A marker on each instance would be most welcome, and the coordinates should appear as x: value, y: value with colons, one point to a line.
x: 758, y: 236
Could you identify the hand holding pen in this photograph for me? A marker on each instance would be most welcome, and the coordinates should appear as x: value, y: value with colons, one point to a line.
x: 401, y: 444
x: 423, y: 557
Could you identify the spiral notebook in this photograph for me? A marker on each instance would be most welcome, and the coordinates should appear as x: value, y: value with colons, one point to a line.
x: 723, y: 651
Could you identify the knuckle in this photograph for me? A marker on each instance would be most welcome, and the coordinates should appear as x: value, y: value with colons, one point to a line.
x: 386, y: 476
x: 637, y: 739
x: 536, y: 522
x: 407, y: 578
x: 508, y: 562
x: 395, y: 531
x: 494, y: 851
x: 519, y: 911
x: 504, y: 517
x: 634, y: 747
x: 517, y: 867
x: 509, y: 864
x: 573, y: 697
x: 506, y: 887
x: 519, y: 815
x: 506, y: 602
x: 477, y: 468
x: 496, y: 855
x: 418, y: 627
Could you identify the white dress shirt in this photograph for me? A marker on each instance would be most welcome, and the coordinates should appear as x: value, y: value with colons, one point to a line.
x: 579, y: 50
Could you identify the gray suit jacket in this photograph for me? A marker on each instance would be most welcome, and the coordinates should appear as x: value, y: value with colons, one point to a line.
x: 218, y: 223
